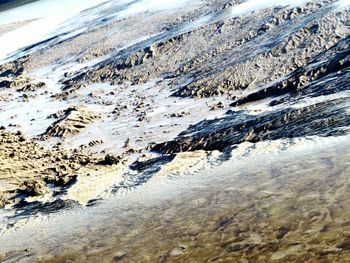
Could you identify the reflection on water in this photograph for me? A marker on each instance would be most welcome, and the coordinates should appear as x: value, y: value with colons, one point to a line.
x: 10, y: 4
x: 288, y: 207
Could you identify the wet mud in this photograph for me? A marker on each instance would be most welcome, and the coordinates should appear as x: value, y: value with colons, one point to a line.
x: 126, y: 98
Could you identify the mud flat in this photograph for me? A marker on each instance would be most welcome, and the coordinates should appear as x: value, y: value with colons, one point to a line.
x: 145, y: 131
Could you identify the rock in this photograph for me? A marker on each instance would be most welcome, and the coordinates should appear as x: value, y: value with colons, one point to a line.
x: 119, y: 256
x: 179, y: 114
x: 95, y: 142
x: 298, y: 83
x: 127, y: 143
x: 32, y: 87
x: 345, y: 244
x: 21, y: 158
x: 322, y: 119
x: 177, y: 251
x: 218, y: 106
x: 281, y: 232
x: 71, y: 122
x: 111, y: 160
x: 34, y: 188
x: 22, y: 83
x: 3, y: 202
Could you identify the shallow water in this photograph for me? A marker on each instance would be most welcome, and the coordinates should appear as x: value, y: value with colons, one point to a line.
x: 10, y: 4
x: 47, y: 19
x: 291, y: 205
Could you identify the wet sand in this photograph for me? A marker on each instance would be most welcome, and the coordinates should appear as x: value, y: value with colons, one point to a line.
x: 188, y: 131
x: 290, y: 207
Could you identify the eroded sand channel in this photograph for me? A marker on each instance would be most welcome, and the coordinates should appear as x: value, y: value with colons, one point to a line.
x: 291, y: 206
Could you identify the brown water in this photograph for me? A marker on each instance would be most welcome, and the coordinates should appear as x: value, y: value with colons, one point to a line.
x: 290, y: 206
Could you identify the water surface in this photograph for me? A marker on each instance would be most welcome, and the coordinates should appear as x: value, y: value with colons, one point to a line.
x: 289, y: 206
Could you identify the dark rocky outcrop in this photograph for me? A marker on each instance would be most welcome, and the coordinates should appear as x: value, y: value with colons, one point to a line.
x: 70, y: 121
x: 333, y: 65
x: 322, y: 119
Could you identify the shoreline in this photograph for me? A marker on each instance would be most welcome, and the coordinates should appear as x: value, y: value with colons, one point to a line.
x: 238, y: 190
